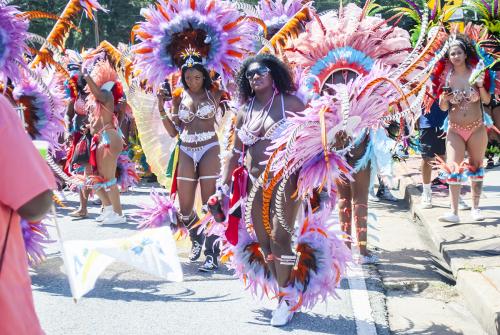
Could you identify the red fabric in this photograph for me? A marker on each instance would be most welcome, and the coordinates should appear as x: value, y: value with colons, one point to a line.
x: 93, y: 151
x: 239, y: 178
x: 173, y: 188
x: 23, y: 176
x: 71, y: 152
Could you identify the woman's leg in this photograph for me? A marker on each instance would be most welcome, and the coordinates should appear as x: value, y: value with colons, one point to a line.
x: 209, y: 170
x: 476, y: 147
x: 262, y: 236
x: 359, y: 189
x: 455, y: 153
x: 345, y: 208
x: 281, y: 240
x: 84, y: 193
x: 106, y: 166
x: 187, y: 180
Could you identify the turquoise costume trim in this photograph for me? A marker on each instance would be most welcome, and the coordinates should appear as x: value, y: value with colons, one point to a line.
x: 106, y: 185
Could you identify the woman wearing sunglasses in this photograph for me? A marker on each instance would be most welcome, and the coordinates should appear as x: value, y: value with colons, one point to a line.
x: 266, y: 87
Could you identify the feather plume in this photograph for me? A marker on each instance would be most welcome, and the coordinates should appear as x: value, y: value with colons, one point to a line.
x: 159, y: 213
x: 35, y: 236
x: 13, y: 33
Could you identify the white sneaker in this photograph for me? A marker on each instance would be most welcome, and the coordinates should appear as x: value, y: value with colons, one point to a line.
x: 281, y: 315
x: 426, y: 200
x: 449, y: 217
x: 114, y: 218
x: 105, y: 213
x: 476, y: 215
x: 462, y: 205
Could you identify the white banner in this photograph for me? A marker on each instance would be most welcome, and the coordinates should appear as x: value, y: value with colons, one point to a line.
x: 152, y: 251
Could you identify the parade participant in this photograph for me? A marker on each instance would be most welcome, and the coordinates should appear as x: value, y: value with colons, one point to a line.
x: 198, y: 161
x: 466, y: 129
x: 77, y: 160
x: 104, y: 92
x: 25, y: 193
x: 340, y: 56
x: 432, y: 144
x: 266, y: 88
x: 196, y: 37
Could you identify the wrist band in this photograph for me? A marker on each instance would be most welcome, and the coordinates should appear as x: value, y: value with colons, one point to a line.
x: 163, y: 117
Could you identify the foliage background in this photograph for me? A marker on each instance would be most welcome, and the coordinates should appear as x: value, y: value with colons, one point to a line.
x: 124, y: 14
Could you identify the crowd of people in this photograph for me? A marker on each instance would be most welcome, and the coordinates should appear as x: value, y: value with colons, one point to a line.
x: 269, y: 133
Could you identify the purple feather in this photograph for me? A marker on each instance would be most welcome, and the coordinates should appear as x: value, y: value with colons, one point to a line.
x: 13, y: 33
x: 35, y: 235
x: 42, y: 87
x: 127, y: 175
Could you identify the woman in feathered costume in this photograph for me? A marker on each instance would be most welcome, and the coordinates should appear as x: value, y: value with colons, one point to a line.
x: 462, y: 94
x: 261, y: 251
x: 334, y: 50
x: 77, y: 159
x: 104, y: 93
x: 196, y: 37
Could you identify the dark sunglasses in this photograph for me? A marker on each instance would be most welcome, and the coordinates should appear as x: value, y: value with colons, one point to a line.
x: 261, y: 71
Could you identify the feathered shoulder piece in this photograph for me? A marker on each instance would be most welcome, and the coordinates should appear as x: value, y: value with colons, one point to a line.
x: 13, y: 32
x: 42, y: 97
x: 216, y: 30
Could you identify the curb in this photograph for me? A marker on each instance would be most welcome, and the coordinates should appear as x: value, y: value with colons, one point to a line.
x: 481, y: 295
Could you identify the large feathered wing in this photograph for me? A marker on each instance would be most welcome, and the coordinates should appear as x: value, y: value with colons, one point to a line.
x: 155, y: 141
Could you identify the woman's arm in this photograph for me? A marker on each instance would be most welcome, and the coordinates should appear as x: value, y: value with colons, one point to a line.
x: 169, y: 125
x: 485, y: 95
x: 70, y: 113
x: 101, y: 96
x: 236, y: 149
x: 444, y: 101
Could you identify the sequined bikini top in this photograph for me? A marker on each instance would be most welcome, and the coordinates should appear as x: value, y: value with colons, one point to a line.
x: 469, y: 95
x: 205, y: 110
x: 248, y: 138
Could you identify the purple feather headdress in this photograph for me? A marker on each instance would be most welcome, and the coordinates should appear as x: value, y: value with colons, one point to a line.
x: 216, y: 29
x: 41, y: 93
x: 13, y: 33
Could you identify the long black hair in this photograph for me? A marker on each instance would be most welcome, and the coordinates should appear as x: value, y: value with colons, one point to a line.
x: 280, y: 73
x: 207, y: 81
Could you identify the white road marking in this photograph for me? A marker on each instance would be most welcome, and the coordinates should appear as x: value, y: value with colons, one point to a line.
x: 360, y: 301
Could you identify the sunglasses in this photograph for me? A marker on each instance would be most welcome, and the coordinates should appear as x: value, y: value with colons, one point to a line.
x: 261, y: 71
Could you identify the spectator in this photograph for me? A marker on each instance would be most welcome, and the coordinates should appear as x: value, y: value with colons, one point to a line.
x: 432, y: 144
x: 25, y: 192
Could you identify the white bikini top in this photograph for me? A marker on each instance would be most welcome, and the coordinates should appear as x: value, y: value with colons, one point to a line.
x: 205, y: 110
x: 248, y: 138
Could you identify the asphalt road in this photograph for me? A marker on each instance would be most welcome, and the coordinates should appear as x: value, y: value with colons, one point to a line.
x: 126, y: 301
